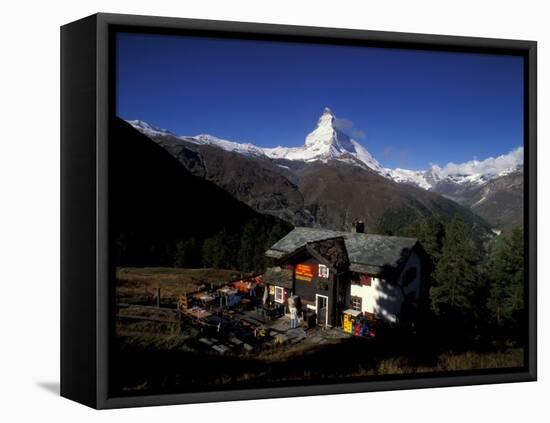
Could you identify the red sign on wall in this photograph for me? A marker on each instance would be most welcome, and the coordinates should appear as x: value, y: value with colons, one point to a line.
x: 365, y: 280
x: 305, y: 272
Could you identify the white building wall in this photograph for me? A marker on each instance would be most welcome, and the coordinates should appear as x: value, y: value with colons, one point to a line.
x: 383, y: 299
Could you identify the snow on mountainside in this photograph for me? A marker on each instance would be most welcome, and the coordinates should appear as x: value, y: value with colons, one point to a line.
x: 147, y: 129
x: 480, y: 171
x: 471, y: 173
x: 325, y: 142
x: 328, y: 142
x: 241, y: 148
x: 413, y: 177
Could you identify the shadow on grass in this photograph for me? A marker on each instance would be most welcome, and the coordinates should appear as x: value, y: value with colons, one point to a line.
x: 137, y: 370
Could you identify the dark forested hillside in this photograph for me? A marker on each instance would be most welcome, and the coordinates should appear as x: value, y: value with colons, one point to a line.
x: 256, y: 181
x: 160, y: 212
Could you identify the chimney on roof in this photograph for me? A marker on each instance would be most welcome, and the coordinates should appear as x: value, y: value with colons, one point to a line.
x: 358, y: 226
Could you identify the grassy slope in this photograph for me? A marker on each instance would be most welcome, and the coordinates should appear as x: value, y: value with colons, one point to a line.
x: 156, y: 357
x: 164, y: 364
x: 139, y: 285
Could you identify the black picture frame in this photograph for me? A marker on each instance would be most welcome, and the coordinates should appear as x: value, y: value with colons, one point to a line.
x: 86, y: 107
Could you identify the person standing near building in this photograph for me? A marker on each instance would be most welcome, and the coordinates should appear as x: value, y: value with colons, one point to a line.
x: 251, y: 289
x: 293, y: 317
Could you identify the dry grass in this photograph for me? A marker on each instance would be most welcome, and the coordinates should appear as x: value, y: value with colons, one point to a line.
x: 469, y: 360
x: 139, y: 285
x: 163, y: 352
x: 136, y: 336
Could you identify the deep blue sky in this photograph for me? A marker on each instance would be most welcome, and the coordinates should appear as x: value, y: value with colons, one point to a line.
x: 415, y: 107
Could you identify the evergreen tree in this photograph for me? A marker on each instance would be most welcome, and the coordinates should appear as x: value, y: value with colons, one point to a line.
x: 430, y: 233
x: 187, y: 253
x: 433, y: 233
x: 276, y: 233
x: 255, y: 239
x: 456, y: 275
x: 220, y: 251
x: 505, y: 274
x: 245, y: 250
x: 248, y: 246
x: 210, y: 252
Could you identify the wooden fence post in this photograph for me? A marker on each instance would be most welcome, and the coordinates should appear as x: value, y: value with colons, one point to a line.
x: 158, y: 297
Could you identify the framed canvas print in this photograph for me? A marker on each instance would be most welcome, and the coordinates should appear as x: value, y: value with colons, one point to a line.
x: 257, y: 211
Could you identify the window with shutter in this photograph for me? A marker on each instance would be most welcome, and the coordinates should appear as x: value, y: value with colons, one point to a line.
x: 365, y: 280
x: 323, y: 271
x: 279, y: 296
x: 356, y: 303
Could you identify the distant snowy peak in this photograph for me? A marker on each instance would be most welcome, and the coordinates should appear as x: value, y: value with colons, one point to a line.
x: 412, y: 177
x: 473, y: 172
x: 326, y: 138
x: 241, y: 148
x: 479, y: 171
x: 147, y: 129
x: 327, y: 142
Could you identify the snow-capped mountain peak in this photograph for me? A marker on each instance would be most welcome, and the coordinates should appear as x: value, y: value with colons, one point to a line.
x: 326, y: 142
x: 241, y: 148
x: 148, y: 129
x: 326, y: 138
x: 471, y: 173
x: 329, y: 142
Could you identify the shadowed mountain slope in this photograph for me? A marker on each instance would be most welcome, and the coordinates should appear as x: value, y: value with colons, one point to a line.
x: 154, y: 202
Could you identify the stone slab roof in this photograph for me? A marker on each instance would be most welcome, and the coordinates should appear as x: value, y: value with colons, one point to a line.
x: 367, y: 253
x: 333, y: 251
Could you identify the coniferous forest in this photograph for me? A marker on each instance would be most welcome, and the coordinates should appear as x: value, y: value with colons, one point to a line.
x: 475, y: 290
x: 243, y: 251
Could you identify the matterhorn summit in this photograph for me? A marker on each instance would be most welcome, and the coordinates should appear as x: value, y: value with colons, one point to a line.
x: 326, y: 138
x: 327, y: 142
